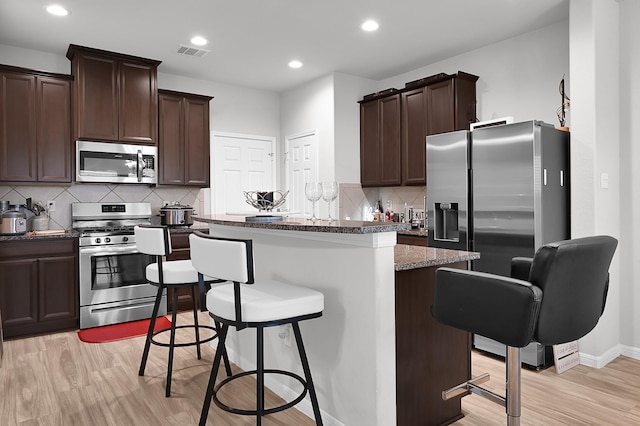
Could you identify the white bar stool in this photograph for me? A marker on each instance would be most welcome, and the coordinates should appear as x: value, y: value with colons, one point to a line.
x: 259, y: 305
x: 155, y: 241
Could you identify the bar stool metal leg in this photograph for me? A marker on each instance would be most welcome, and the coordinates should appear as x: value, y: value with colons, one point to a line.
x: 152, y: 325
x: 195, y: 320
x: 307, y: 373
x: 222, y: 336
x: 172, y: 341
x: 260, y: 376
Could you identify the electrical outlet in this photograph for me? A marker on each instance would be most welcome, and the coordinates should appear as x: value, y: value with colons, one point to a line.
x: 51, y: 206
x: 285, y: 334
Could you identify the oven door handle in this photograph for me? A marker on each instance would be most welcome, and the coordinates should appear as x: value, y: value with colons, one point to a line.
x: 109, y: 251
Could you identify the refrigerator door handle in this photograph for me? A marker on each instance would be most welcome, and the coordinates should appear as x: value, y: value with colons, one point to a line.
x: 561, y: 177
x: 544, y: 177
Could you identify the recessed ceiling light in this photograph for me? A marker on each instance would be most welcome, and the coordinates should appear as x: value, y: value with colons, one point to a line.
x: 56, y: 9
x: 295, y: 64
x: 199, y: 41
x: 370, y: 25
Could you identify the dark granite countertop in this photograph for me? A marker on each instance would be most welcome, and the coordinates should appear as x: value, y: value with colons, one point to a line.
x: 412, y: 257
x: 303, y: 224
x: 35, y: 235
x: 418, y: 232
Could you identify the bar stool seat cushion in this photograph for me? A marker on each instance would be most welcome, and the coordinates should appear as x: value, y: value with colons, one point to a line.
x: 265, y: 301
x: 174, y: 272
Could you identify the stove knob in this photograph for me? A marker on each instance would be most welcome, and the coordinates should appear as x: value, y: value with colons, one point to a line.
x: 107, y: 240
x: 98, y: 241
x: 125, y: 239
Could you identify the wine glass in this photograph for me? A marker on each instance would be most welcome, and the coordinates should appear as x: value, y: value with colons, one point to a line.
x: 329, y: 193
x: 313, y: 192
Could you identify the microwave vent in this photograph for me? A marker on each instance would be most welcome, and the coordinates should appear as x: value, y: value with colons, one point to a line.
x: 192, y: 51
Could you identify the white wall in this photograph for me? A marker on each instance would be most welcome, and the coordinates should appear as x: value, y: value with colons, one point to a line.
x: 629, y: 252
x: 311, y: 107
x: 519, y: 77
x: 349, y: 90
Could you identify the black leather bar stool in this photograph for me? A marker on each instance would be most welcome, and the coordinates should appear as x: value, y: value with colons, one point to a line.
x: 556, y: 297
x: 176, y: 274
x: 258, y: 305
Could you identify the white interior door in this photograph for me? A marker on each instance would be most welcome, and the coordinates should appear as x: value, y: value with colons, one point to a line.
x: 240, y: 163
x: 302, y: 166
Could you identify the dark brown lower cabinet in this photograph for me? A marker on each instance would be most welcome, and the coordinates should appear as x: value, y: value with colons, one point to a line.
x: 38, y: 286
x: 412, y: 240
x: 430, y: 357
x: 180, y: 251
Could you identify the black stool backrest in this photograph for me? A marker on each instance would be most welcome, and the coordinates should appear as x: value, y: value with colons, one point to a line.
x: 574, y: 277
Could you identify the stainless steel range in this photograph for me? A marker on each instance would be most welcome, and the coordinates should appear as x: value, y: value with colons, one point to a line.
x: 113, y: 287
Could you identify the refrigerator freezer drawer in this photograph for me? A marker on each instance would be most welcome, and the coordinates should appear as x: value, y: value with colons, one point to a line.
x: 534, y: 355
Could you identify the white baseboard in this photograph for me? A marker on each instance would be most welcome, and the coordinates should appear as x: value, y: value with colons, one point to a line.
x: 608, y: 356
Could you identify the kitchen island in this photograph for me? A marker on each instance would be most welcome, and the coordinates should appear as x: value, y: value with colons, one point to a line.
x: 352, y: 347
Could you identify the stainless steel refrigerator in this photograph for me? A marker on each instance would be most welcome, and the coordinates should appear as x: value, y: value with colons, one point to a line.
x: 502, y: 191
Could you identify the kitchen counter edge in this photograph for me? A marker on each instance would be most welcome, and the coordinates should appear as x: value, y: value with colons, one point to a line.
x: 307, y: 225
x: 413, y: 257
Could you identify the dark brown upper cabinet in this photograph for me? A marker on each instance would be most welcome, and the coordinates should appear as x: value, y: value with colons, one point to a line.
x: 115, y: 96
x: 184, y: 143
x: 380, y: 141
x: 436, y: 104
x: 35, y: 115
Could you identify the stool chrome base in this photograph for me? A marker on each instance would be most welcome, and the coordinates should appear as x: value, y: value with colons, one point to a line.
x: 511, y: 401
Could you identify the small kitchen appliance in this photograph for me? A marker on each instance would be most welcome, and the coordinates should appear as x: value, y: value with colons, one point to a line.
x: 176, y: 215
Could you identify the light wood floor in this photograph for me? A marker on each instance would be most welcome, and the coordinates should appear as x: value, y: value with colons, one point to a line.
x: 59, y: 380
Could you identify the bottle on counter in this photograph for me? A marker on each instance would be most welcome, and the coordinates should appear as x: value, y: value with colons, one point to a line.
x: 377, y: 212
x: 388, y: 213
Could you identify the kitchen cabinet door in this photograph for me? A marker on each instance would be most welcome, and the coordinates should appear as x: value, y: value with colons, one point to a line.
x: 18, y: 294
x: 138, y: 103
x: 380, y: 152
x: 53, y: 106
x: 171, y: 148
x: 414, y: 137
x: 18, y: 136
x: 197, y: 143
x: 57, y: 287
x: 451, y: 104
x: 96, y: 97
x: 183, y: 140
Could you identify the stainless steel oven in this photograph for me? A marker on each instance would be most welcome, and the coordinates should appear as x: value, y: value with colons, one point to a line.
x: 113, y: 287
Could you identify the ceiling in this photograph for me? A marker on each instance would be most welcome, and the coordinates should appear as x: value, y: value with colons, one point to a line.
x: 251, y: 41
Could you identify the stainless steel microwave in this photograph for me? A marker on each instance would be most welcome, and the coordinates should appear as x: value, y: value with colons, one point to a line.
x: 115, y: 162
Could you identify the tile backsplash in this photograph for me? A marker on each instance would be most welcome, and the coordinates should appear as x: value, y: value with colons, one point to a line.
x: 353, y: 198
x: 106, y: 193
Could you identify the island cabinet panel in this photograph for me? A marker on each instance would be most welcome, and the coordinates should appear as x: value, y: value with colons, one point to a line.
x: 184, y: 143
x: 115, y: 96
x: 38, y: 286
x: 35, y: 115
x: 380, y: 141
x: 430, y: 357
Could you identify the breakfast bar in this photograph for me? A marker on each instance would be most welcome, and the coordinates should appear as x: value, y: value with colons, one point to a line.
x: 371, y: 338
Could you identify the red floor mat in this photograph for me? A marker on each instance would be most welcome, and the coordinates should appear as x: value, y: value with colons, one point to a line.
x: 110, y: 333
